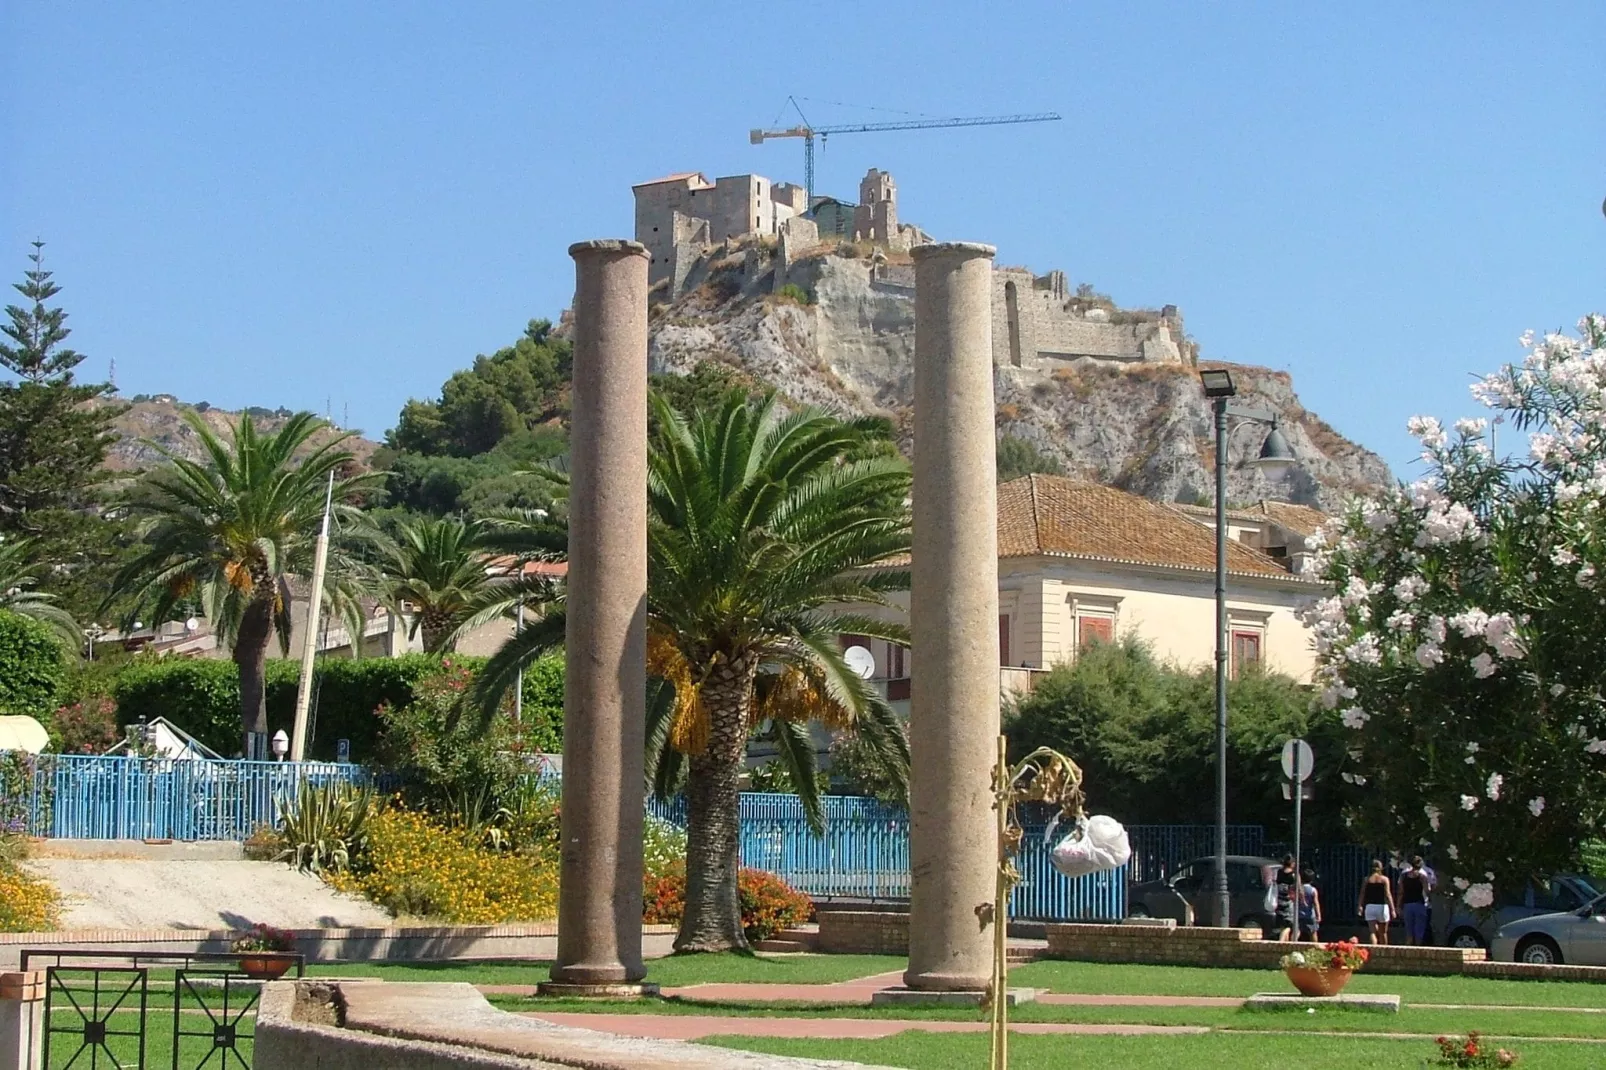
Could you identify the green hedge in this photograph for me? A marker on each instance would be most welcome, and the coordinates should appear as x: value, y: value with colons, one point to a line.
x: 32, y: 667
x: 202, y: 696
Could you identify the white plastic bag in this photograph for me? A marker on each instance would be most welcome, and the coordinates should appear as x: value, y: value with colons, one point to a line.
x: 1098, y: 843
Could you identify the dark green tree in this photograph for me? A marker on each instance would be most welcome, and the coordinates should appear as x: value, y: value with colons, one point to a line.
x: 54, y: 433
x: 513, y: 390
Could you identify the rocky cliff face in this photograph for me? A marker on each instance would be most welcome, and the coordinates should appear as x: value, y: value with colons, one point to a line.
x: 1144, y: 427
x: 160, y: 422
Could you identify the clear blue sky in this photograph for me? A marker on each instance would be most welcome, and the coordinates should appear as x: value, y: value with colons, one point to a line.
x: 278, y: 204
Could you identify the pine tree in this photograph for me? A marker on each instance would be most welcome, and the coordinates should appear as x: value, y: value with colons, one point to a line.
x: 54, y: 433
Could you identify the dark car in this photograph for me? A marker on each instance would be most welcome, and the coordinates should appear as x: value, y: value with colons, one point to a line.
x: 1186, y: 895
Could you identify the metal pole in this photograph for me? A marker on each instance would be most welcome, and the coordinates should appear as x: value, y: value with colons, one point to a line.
x: 1299, y: 797
x: 518, y: 684
x: 309, y: 649
x: 1223, y: 898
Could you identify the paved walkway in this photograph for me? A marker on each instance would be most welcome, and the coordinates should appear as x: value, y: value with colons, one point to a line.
x: 696, y: 1026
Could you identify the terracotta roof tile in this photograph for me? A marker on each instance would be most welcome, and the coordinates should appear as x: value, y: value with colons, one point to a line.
x: 1042, y: 514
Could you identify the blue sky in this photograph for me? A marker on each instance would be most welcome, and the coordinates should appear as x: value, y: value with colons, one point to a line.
x: 283, y: 204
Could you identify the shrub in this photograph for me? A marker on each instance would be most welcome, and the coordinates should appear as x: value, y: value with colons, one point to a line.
x: 769, y: 905
x: 420, y: 866
x: 443, y: 759
x: 326, y: 826
x: 264, y: 844
x: 264, y: 937
x: 795, y: 293
x: 32, y: 667
x: 88, y: 726
x: 1472, y: 1052
x: 27, y: 904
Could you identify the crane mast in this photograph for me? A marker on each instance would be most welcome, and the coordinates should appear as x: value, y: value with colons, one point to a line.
x: 809, y: 132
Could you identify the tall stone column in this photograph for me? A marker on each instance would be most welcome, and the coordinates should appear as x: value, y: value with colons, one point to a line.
x: 604, y: 702
x: 953, y: 610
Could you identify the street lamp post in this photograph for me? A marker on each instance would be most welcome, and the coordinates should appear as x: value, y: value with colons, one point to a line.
x: 1275, y: 457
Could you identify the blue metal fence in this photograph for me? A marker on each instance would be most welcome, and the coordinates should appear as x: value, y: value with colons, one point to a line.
x: 73, y: 796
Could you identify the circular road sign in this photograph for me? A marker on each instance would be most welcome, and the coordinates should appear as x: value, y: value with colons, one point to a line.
x: 1307, y: 758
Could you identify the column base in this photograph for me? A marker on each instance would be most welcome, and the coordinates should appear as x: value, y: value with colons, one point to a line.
x: 916, y: 997
x: 595, y: 990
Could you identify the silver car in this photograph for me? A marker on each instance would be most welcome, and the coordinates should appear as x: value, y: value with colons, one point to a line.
x: 1575, y: 937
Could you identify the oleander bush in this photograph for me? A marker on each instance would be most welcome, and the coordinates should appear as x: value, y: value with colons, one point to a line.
x: 769, y: 905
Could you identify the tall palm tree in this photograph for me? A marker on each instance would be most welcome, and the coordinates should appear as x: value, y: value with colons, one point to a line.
x: 229, y: 530
x: 763, y: 528
x: 437, y: 565
x: 18, y: 594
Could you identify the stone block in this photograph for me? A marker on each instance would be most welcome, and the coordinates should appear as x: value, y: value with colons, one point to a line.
x: 1282, y: 1001
x: 914, y: 997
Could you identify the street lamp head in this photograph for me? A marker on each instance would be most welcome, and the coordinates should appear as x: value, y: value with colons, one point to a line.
x: 281, y: 744
x: 1217, y: 383
x: 1276, y: 456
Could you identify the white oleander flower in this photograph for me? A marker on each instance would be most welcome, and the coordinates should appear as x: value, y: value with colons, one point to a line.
x: 1454, y: 852
x: 1462, y: 883
x: 1429, y: 654
x: 1479, y: 896
x: 1493, y: 786
x: 1355, y: 717
x: 1483, y: 666
x: 1536, y: 805
x: 1469, y: 802
x: 1434, y: 813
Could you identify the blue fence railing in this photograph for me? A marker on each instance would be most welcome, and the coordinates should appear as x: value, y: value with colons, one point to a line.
x: 863, y: 852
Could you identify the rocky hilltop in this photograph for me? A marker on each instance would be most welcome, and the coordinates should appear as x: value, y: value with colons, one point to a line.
x: 159, y: 421
x: 834, y: 326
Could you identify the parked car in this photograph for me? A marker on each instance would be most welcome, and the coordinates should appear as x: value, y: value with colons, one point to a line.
x: 1464, y: 927
x: 1574, y: 937
x: 1186, y: 895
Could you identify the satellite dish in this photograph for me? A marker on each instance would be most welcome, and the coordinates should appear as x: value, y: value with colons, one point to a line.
x: 191, y: 624
x: 860, y: 661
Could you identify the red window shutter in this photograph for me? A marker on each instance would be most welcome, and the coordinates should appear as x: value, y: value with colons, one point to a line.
x: 1090, y: 630
x: 1245, y: 652
x: 846, y: 641
x: 1003, y: 639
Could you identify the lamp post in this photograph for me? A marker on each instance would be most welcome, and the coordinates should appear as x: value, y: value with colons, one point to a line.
x: 1275, y: 456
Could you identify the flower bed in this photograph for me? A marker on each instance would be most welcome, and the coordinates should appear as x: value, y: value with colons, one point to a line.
x: 27, y: 903
x: 769, y: 904
x: 1324, y: 970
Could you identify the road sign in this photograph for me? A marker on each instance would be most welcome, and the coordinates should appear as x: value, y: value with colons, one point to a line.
x: 1307, y: 790
x: 1307, y: 758
x: 342, y: 750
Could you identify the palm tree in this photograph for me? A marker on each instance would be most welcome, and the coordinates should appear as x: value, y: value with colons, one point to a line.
x: 763, y: 527
x: 229, y: 530
x: 17, y: 593
x: 438, y: 565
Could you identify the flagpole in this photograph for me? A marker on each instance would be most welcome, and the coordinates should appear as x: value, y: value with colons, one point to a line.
x: 309, y: 645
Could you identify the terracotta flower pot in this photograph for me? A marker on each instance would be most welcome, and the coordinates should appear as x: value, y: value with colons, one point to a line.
x: 1312, y: 981
x: 264, y: 969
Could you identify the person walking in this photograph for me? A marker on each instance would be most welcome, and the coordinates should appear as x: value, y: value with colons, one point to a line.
x: 1310, y: 909
x: 1376, y: 904
x: 1414, y: 888
x: 1287, y: 885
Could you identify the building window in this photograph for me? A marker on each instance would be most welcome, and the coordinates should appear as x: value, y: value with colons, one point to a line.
x: 1245, y: 653
x: 1003, y: 639
x: 1091, y: 630
x: 897, y: 666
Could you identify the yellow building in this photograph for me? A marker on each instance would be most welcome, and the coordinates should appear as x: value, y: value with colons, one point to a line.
x: 1080, y: 563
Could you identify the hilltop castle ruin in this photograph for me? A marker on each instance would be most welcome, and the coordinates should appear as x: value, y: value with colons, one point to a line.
x: 758, y: 236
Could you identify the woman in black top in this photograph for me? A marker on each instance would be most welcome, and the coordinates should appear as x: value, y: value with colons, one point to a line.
x: 1376, y: 904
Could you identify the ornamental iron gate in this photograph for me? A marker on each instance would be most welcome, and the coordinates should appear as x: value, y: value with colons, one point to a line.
x: 92, y: 1010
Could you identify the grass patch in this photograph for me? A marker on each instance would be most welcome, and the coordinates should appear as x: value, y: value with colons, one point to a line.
x: 1335, y: 1020
x: 674, y: 971
x: 1216, y: 1051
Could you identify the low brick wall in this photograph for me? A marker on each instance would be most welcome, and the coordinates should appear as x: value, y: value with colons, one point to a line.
x: 1242, y: 948
x: 1531, y: 971
x: 863, y: 932
x: 398, y: 944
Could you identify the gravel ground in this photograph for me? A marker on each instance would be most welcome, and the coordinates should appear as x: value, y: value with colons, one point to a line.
x: 99, y: 893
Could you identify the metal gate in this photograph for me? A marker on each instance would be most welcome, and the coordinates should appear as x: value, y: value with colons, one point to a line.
x: 98, y: 1011
x: 217, y: 1022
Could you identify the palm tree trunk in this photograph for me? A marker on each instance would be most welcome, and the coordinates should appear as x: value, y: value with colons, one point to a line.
x: 712, y: 920
x: 251, y: 656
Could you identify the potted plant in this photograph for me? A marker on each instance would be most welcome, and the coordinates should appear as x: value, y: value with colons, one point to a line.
x: 1325, y: 970
x: 263, y: 951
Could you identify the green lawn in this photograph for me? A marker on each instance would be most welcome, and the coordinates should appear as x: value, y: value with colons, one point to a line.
x: 674, y: 971
x: 1200, y: 981
x: 1218, y: 1051
x: 1337, y: 1020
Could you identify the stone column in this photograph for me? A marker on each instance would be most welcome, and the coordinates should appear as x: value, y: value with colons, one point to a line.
x: 953, y: 610
x: 604, y: 703
x: 22, y: 1019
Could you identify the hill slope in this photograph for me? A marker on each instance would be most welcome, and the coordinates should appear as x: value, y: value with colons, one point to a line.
x: 1144, y: 427
x: 160, y: 420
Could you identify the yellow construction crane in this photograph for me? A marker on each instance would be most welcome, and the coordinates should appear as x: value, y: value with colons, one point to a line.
x: 808, y: 133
